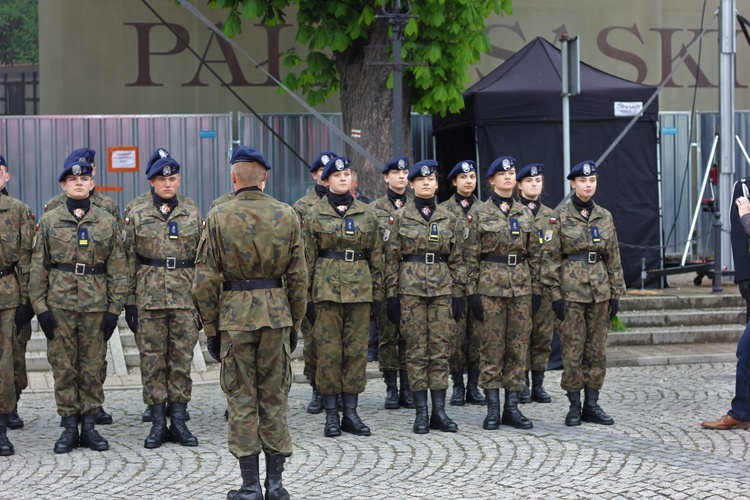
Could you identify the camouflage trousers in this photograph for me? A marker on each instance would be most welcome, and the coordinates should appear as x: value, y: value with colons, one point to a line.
x: 76, y: 355
x: 19, y: 358
x: 427, y: 326
x: 391, y: 346
x: 341, y: 333
x: 7, y: 377
x: 540, y: 343
x: 166, y: 339
x: 583, y: 335
x: 309, y: 352
x: 256, y: 374
x: 504, y: 339
x: 464, y: 344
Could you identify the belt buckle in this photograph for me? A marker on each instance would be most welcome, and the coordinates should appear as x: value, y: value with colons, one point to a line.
x: 171, y: 262
x: 593, y: 257
x: 80, y: 269
x: 429, y: 258
x: 512, y: 259
x: 349, y: 255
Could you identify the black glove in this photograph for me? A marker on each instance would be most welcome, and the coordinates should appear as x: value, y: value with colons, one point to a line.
x: 559, y: 307
x: 475, y: 306
x: 48, y: 323
x: 24, y: 313
x: 213, y: 345
x: 393, y: 310
x: 131, y: 316
x: 109, y: 323
x: 744, y: 288
x: 614, y: 306
x: 293, y: 340
x: 310, y: 313
x: 457, y: 308
x: 375, y: 308
x: 536, y: 303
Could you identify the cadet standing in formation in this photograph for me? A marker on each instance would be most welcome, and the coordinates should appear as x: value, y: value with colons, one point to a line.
x: 425, y: 279
x: 252, y: 304
x: 465, y: 344
x: 162, y: 237
x: 16, y: 240
x: 78, y: 289
x: 344, y: 258
x: 583, y: 273
x: 391, y: 346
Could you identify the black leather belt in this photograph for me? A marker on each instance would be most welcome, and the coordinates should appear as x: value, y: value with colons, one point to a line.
x: 590, y: 257
x: 238, y: 285
x: 169, y: 262
x: 347, y: 255
x: 5, y: 272
x: 425, y: 258
x: 511, y: 259
x: 81, y: 269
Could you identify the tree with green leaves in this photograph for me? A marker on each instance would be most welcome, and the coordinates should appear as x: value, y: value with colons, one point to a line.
x: 343, y: 38
x: 19, y: 32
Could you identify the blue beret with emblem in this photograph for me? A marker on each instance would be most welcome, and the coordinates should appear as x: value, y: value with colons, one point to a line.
x: 462, y: 167
x: 322, y: 160
x: 2, y: 161
x: 398, y: 163
x: 165, y: 167
x: 502, y: 164
x: 75, y: 167
x: 583, y: 169
x: 424, y: 168
x: 81, y: 154
x: 158, y: 154
x: 335, y: 165
x: 248, y: 154
x: 530, y: 170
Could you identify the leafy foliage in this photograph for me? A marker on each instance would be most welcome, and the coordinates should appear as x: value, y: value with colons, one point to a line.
x: 19, y: 31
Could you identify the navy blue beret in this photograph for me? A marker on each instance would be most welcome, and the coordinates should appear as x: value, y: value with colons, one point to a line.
x: 502, y: 164
x: 164, y: 166
x: 462, y: 167
x: 248, y: 154
x: 322, y: 160
x: 398, y: 163
x: 530, y: 170
x: 81, y: 154
x: 336, y: 165
x: 75, y: 167
x: 424, y: 168
x: 158, y: 154
x: 583, y: 169
x: 2, y: 161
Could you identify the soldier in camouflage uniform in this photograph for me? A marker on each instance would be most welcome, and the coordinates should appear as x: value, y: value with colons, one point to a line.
x: 465, y: 342
x: 302, y: 207
x: 391, y: 346
x: 425, y: 279
x: 250, y: 288
x: 16, y: 239
x: 344, y: 257
x: 583, y: 273
x: 78, y: 287
x: 161, y: 241
x: 529, y: 189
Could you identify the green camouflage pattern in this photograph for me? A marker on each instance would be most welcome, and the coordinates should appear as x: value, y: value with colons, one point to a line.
x: 540, y: 343
x: 222, y: 199
x: 97, y: 198
x: 148, y: 197
x: 16, y: 242
x: 7, y: 374
x: 305, y: 204
x: 20, y: 341
x: 583, y: 335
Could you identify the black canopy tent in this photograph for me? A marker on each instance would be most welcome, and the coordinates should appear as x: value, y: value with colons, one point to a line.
x: 516, y: 110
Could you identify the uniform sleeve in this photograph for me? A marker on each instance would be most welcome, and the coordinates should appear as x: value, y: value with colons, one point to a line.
x: 376, y: 261
x: 296, y: 276
x: 739, y: 237
x: 614, y: 270
x: 456, y: 260
x: 311, y: 251
x: 39, y: 274
x: 472, y: 252
x: 207, y: 279
x: 23, y: 267
x: 551, y: 262
x: 117, y: 272
x: 130, y: 248
x: 393, y: 258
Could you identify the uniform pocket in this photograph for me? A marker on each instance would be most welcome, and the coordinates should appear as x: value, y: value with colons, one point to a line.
x: 10, y: 246
x: 229, y: 379
x: 288, y: 375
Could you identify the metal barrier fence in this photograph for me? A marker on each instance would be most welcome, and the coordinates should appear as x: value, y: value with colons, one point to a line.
x: 676, y: 180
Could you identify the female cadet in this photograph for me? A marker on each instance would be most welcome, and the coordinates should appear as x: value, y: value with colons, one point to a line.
x: 464, y: 345
x: 583, y: 274
x: 344, y: 258
x: 425, y: 283
x: 530, y: 185
x: 502, y: 257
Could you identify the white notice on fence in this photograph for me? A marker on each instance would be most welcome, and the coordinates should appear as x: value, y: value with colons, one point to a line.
x: 628, y: 108
x: 124, y: 159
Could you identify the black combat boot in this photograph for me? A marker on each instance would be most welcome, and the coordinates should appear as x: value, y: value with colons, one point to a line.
x: 250, y: 489
x: 102, y: 417
x: 391, y: 390
x: 89, y: 436
x: 6, y: 447
x: 538, y: 393
x: 439, y: 420
x: 459, y: 390
x: 158, y: 434
x: 422, y: 420
x: 351, y: 422
x: 592, y: 412
x: 492, y: 422
x: 146, y: 415
x: 405, y: 399
x: 316, y: 405
x: 69, y: 437
x: 573, y: 418
x: 14, y: 421
x: 339, y: 402
x: 274, y: 468
x: 333, y: 426
x: 178, y: 431
x: 473, y: 395
x: 169, y: 412
x: 524, y: 397
x: 511, y: 414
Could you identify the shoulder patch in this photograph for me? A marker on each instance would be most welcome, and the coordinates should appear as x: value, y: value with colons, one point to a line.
x: 553, y: 220
x: 203, y: 223
x: 30, y: 215
x: 386, y: 235
x: 468, y: 218
x: 45, y: 207
x: 390, y: 220
x: 36, y: 227
x: 548, y: 235
x: 127, y: 221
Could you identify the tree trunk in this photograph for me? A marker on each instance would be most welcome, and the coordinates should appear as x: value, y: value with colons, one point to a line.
x: 367, y: 105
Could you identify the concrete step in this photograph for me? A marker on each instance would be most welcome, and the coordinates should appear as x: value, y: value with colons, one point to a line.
x: 682, y: 317
x: 637, y: 302
x: 676, y: 335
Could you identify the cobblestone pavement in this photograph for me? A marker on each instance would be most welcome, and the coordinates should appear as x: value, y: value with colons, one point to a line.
x: 656, y: 449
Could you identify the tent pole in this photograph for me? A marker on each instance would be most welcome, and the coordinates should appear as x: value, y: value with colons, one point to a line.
x: 479, y: 177
x: 565, y: 91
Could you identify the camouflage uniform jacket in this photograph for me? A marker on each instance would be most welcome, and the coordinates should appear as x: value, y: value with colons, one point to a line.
x: 336, y: 279
x: 98, y: 199
x: 409, y: 234
x: 57, y: 242
x: 463, y: 218
x: 577, y: 280
x: 253, y: 236
x: 384, y: 209
x: 544, y: 232
x: 16, y: 241
x: 490, y: 232
x: 148, y: 235
x: 222, y: 199
x: 148, y: 196
x: 304, y: 204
